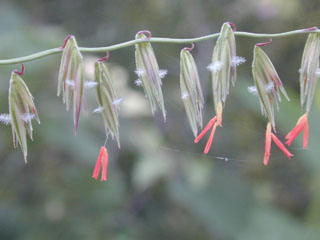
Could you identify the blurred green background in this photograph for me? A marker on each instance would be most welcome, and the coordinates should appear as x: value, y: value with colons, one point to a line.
x: 160, y: 185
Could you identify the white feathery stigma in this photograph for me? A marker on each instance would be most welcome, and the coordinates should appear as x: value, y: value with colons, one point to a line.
x: 5, y: 118
x: 139, y: 72
x: 70, y: 82
x: 98, y: 110
x: 162, y: 73
x: 237, y: 60
x: 270, y: 87
x: 185, y: 95
x: 215, y: 66
x: 117, y: 101
x: 253, y: 90
x: 138, y: 82
x: 90, y: 84
x: 27, y: 117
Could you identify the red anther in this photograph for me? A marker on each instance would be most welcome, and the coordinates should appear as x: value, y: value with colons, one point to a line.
x: 209, y: 143
x: 311, y: 29
x: 65, y: 41
x: 20, y: 72
x: 147, y: 32
x: 206, y: 129
x: 264, y: 44
x: 234, y: 26
x: 281, y: 146
x: 104, y: 58
x: 189, y: 48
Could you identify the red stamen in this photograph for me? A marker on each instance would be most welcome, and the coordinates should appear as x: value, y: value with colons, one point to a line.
x: 209, y: 143
x: 293, y: 134
x: 267, y: 145
x: 281, y: 146
x: 104, y: 162
x: 65, y: 41
x: 102, y: 159
x: 20, y: 72
x: 206, y: 129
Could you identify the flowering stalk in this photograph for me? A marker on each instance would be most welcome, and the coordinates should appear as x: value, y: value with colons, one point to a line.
x: 157, y: 40
x: 102, y: 161
x: 223, y: 70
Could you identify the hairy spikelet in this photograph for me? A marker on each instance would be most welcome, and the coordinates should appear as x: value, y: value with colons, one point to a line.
x: 148, y: 73
x: 21, y: 110
x: 107, y: 100
x: 191, y: 92
x: 267, y: 82
x: 309, y: 75
x: 71, y: 78
x: 222, y: 67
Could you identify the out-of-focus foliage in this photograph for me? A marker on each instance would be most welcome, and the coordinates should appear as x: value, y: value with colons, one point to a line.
x: 159, y: 185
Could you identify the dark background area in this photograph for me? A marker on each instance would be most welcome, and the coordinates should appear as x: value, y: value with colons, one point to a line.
x: 160, y: 185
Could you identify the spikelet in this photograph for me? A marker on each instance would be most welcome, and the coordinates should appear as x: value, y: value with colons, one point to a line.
x: 191, y: 92
x: 71, y: 78
x: 267, y: 82
x: 107, y: 100
x: 223, y: 67
x: 148, y: 72
x: 21, y: 111
x: 309, y: 71
x: 309, y: 77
